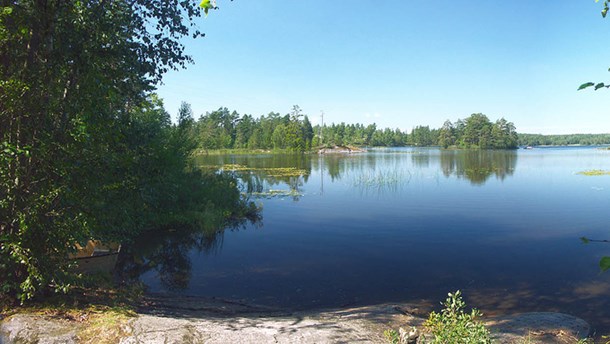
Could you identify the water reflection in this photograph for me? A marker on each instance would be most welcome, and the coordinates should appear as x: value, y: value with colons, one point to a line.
x: 168, y: 254
x: 379, y: 171
x: 477, y: 166
x: 421, y: 159
x: 443, y: 220
x: 264, y: 176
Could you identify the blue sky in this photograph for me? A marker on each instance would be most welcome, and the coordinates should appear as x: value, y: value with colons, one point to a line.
x: 402, y: 63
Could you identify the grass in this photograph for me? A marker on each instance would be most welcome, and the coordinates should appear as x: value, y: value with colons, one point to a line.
x: 93, y: 323
x: 106, y: 325
x: 595, y: 173
x: 99, y: 314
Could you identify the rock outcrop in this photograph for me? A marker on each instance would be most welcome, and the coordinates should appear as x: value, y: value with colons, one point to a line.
x: 164, y: 319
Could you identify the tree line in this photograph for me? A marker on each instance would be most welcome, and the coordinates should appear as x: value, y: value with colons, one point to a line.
x: 563, y: 140
x: 224, y: 129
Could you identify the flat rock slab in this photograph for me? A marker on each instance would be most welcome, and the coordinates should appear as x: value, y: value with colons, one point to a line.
x: 211, y: 320
x: 147, y: 329
x: 27, y: 328
x: 197, y: 320
x: 541, y: 327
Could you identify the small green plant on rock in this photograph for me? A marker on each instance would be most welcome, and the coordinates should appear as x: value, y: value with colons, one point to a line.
x: 453, y: 325
x: 402, y: 336
x: 392, y: 336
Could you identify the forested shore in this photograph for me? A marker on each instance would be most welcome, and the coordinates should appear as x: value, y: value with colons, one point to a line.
x: 228, y: 130
x: 563, y: 140
x: 223, y: 130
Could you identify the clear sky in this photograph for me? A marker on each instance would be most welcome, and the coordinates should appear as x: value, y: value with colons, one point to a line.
x: 402, y: 63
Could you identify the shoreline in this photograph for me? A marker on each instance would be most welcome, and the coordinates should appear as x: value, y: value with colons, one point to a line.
x: 162, y: 318
x: 356, y: 149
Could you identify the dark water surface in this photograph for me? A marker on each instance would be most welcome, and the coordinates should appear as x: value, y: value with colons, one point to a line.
x: 410, y: 225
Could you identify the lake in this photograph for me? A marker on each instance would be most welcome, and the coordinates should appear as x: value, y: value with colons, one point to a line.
x: 409, y: 225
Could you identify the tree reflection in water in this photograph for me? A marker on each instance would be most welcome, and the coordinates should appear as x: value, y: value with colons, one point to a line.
x: 167, y: 253
x: 478, y: 165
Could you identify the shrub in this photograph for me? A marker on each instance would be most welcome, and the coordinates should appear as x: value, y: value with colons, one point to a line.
x: 453, y: 325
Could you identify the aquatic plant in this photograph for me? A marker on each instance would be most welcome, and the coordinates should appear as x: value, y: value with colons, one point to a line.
x: 277, y: 172
x: 594, y: 173
x: 381, y: 182
x: 277, y: 193
x: 604, y: 262
x: 284, y: 172
x: 380, y: 178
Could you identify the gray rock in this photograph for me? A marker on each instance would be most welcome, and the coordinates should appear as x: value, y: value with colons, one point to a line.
x: 541, y: 327
x: 197, y: 320
x: 35, y: 329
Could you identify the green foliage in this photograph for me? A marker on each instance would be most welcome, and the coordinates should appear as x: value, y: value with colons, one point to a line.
x: 291, y: 132
x: 294, y: 132
x: 453, y: 325
x: 597, y: 86
x: 87, y: 151
x: 392, y: 336
x: 221, y: 129
x: 563, y: 140
x: 207, y: 5
x: 447, y: 135
x: 604, y: 9
x: 604, y: 263
x: 423, y: 136
x: 478, y: 132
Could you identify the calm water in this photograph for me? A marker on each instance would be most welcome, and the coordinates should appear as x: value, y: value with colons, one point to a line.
x: 410, y: 225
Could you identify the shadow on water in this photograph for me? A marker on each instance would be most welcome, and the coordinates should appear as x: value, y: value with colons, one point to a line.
x: 167, y: 253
